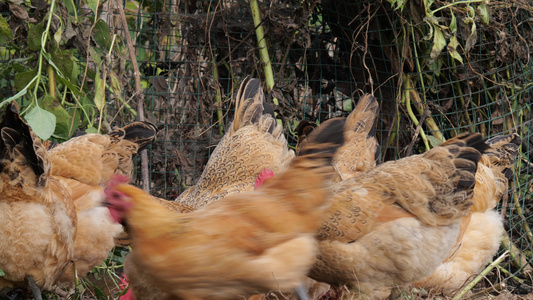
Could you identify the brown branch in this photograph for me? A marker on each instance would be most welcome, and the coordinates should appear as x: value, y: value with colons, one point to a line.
x: 138, y: 93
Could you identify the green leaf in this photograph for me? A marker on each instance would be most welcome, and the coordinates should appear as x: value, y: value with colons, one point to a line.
x: 71, y: 7
x: 439, y: 42
x: 75, y: 118
x: 96, y: 55
x: 483, y: 13
x: 434, y: 141
x: 93, y: 5
x: 22, y: 79
x: 99, y: 91
x: 101, y: 34
x: 2, y: 273
x: 59, y: 32
x: 5, y: 30
x: 397, y: 4
x: 91, y: 130
x: 41, y: 121
x: 115, y: 84
x: 453, y: 23
x: 63, y: 118
x: 347, y: 104
x: 34, y: 37
x: 452, y: 49
x: 64, y: 61
x: 99, y: 293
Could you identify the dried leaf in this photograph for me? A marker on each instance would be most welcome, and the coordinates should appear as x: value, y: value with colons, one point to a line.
x: 439, y: 42
x: 21, y: 13
x: 452, y: 49
x: 472, y: 39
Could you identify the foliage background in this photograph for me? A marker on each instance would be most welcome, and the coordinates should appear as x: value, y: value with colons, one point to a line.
x: 438, y: 68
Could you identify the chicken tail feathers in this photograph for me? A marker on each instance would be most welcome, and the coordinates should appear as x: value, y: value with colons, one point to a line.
x: 363, y: 118
x: 503, y: 152
x: 17, y: 138
x: 305, y: 184
x: 303, y: 129
x: 249, y: 103
x: 324, y: 141
x: 142, y: 133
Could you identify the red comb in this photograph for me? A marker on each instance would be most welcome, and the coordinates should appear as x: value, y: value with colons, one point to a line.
x: 117, y: 179
x: 263, y: 177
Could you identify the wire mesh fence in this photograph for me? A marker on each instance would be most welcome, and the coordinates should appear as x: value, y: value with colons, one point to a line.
x: 437, y: 68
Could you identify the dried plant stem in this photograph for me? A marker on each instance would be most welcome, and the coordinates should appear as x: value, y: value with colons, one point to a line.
x: 494, y: 288
x: 218, y: 97
x: 510, y: 275
x: 517, y: 257
x: 419, y: 104
x: 51, y: 81
x: 463, y: 103
x: 472, y: 283
x: 523, y: 219
x: 138, y: 93
x: 430, y: 122
x: 407, y: 102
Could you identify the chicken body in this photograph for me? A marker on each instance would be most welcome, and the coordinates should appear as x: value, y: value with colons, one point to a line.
x: 253, y: 142
x: 251, y: 242
x: 398, y: 221
x: 478, y: 234
x: 482, y: 229
x: 479, y: 243
x: 84, y: 164
x: 37, y: 215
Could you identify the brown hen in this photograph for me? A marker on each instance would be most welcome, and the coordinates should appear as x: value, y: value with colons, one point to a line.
x: 483, y: 227
x: 37, y: 214
x: 398, y: 221
x: 84, y: 164
x: 253, y: 142
x: 250, y: 242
